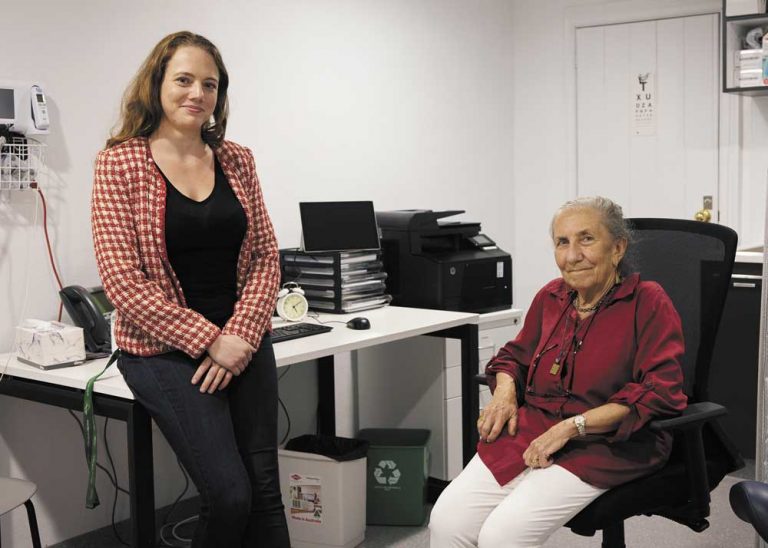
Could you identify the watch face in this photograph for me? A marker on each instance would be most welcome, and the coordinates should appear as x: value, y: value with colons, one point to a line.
x: 294, y: 307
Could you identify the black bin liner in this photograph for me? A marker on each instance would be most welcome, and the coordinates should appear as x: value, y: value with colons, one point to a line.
x: 333, y: 447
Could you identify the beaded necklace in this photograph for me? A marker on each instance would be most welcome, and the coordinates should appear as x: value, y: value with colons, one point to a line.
x: 584, y: 309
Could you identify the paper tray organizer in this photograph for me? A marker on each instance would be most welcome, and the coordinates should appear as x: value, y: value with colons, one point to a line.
x: 337, y: 281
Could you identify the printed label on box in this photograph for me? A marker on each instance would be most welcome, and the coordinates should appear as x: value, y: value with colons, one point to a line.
x: 306, y: 498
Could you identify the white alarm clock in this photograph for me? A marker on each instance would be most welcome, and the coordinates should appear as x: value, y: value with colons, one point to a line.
x: 292, y: 305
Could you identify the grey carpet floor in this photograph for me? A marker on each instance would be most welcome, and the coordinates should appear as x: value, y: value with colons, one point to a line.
x: 726, y: 530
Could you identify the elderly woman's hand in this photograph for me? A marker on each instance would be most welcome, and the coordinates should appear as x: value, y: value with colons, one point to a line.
x: 500, y: 412
x: 540, y: 451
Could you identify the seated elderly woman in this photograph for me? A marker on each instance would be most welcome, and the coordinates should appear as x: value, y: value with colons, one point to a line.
x: 598, y: 358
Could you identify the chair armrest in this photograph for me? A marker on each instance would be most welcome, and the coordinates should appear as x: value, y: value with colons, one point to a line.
x: 690, y: 424
x: 693, y: 416
x: 481, y: 378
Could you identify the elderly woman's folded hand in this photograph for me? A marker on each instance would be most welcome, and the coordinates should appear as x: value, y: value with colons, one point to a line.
x: 501, y: 412
x: 540, y: 451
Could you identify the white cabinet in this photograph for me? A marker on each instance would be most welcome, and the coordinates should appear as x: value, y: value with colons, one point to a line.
x: 416, y: 383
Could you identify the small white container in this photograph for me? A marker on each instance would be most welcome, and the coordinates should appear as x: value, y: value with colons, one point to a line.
x: 324, y: 500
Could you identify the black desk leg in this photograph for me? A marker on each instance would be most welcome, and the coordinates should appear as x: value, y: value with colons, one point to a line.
x: 141, y: 478
x: 470, y: 397
x: 326, y: 397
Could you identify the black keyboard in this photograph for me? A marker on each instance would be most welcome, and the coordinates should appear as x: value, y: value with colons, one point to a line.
x: 297, y: 330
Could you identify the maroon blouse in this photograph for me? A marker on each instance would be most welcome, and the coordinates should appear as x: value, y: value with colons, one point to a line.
x: 628, y: 352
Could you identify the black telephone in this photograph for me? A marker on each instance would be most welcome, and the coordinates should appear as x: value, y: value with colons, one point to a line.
x: 90, y: 309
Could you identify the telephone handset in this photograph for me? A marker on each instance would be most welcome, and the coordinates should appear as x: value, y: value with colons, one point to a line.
x: 90, y: 309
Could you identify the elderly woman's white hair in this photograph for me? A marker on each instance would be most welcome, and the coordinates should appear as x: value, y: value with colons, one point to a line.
x: 612, y: 218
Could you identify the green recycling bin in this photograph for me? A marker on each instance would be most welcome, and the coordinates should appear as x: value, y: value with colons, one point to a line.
x: 398, y: 466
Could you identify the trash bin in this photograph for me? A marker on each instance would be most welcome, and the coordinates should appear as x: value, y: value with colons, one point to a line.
x: 322, y: 480
x: 398, y: 466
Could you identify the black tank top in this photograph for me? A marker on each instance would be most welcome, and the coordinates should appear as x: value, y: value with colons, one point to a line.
x: 203, y: 240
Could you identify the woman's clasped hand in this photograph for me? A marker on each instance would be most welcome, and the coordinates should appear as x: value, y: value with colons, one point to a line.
x: 228, y: 356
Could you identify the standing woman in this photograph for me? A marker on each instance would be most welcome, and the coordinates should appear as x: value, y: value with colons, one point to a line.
x: 187, y: 255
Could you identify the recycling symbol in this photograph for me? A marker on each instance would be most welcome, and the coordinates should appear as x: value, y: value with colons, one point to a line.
x: 386, y: 473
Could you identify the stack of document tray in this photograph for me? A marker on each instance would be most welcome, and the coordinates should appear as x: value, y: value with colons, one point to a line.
x: 337, y: 281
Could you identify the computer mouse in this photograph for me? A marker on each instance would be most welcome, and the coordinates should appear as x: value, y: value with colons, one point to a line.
x: 359, y: 323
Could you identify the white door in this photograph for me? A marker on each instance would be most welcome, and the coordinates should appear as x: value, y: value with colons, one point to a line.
x: 647, y: 114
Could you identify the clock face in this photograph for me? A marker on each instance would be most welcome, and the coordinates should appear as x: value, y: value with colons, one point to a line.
x: 294, y: 307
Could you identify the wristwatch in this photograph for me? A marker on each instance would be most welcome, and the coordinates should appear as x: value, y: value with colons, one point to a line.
x: 581, y: 424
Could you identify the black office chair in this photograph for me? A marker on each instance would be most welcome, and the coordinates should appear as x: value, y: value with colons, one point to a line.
x: 693, y: 262
x: 749, y: 501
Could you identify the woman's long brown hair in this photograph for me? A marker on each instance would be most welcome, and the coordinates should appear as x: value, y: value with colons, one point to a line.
x: 141, y: 110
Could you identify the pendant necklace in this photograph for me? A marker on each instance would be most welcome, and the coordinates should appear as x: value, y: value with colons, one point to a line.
x: 555, y: 369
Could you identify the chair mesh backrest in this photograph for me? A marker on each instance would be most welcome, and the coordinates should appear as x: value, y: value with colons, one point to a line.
x: 693, y: 262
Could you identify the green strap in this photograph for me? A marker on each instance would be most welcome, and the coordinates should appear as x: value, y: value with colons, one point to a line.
x: 89, y: 431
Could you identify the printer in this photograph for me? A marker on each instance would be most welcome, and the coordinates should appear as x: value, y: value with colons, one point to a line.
x: 443, y: 265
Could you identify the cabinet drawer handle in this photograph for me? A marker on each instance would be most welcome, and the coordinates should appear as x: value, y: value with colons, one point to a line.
x: 742, y: 284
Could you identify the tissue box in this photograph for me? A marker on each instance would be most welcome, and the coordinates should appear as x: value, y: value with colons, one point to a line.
x: 49, y: 345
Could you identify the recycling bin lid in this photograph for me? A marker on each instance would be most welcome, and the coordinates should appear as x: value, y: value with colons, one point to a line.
x: 395, y: 437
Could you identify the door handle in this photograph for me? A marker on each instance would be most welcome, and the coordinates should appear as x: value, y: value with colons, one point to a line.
x: 704, y: 215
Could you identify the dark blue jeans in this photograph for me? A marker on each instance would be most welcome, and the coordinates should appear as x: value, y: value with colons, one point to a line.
x: 227, y: 442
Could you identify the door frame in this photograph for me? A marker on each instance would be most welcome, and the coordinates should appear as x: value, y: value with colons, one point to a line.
x: 634, y: 11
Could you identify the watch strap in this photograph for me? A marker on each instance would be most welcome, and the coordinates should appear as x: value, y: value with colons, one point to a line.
x: 581, y: 424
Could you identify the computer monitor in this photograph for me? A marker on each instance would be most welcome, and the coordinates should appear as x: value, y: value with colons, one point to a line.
x: 7, y: 107
x: 338, y: 226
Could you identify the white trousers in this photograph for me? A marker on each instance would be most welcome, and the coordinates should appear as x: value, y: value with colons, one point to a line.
x: 474, y: 511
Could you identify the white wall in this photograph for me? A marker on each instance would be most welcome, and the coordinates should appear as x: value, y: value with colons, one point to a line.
x: 543, y: 143
x: 408, y: 103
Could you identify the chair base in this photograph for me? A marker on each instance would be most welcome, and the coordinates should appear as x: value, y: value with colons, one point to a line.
x: 613, y: 536
x: 33, y: 530
x: 33, y: 524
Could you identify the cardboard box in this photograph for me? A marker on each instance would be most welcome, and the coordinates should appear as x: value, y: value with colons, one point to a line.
x: 747, y: 59
x: 750, y: 78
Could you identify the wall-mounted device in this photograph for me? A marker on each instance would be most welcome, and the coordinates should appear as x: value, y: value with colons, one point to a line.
x: 24, y: 107
x: 39, y: 108
x: 90, y: 309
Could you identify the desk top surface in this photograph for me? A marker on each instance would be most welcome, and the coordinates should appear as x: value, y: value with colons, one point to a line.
x: 388, y: 324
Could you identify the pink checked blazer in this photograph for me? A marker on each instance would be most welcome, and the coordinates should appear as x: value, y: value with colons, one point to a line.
x: 128, y: 223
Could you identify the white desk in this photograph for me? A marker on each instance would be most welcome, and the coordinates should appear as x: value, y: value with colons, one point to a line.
x: 388, y: 324
x: 113, y: 399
